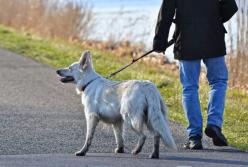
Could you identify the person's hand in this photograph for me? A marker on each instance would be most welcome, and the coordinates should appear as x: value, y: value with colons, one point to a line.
x: 159, y: 47
x: 159, y: 51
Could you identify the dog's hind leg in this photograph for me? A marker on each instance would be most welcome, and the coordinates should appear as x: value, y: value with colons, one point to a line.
x: 92, y: 122
x: 118, y: 129
x: 156, y: 142
x: 155, y: 152
x: 138, y: 129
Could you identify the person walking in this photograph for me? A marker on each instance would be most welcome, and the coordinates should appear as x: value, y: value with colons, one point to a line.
x: 199, y: 36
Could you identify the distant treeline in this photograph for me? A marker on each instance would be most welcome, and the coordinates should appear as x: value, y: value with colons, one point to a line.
x: 48, y: 18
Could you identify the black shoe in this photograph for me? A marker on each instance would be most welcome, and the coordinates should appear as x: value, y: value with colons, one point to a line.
x: 214, y: 132
x: 194, y: 143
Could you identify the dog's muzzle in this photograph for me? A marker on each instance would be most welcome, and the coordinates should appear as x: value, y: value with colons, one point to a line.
x: 65, y: 79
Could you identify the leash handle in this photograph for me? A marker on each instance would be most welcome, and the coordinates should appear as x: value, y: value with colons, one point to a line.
x: 134, y: 60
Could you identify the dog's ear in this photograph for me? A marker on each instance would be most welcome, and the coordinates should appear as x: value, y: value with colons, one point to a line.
x: 85, y: 60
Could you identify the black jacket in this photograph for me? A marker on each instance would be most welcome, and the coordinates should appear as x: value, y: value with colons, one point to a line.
x: 199, y: 27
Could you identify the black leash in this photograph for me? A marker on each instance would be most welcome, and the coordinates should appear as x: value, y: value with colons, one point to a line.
x: 135, y: 60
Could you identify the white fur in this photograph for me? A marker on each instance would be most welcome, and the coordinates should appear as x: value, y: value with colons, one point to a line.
x: 133, y: 101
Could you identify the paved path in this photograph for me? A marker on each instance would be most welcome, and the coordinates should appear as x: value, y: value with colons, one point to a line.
x: 42, y: 120
x: 191, y: 159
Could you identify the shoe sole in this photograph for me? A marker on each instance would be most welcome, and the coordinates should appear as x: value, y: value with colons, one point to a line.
x: 197, y: 147
x: 216, y: 138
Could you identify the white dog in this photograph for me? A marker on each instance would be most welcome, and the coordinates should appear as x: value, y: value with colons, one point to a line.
x: 133, y: 102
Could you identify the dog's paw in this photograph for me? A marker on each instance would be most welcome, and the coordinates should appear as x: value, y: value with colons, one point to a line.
x: 154, y: 156
x: 119, y: 150
x: 80, y: 153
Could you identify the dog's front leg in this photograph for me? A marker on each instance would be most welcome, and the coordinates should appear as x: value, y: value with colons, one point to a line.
x: 118, y: 128
x: 92, y: 122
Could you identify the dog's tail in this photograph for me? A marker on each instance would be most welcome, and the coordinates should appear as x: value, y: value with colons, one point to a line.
x: 157, y: 119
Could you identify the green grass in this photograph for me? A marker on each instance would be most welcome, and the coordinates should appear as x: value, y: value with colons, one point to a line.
x: 58, y: 53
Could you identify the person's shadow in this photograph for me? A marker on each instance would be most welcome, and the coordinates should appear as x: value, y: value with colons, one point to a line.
x: 228, y: 157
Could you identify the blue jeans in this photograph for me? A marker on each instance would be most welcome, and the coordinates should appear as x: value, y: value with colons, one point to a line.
x: 217, y: 75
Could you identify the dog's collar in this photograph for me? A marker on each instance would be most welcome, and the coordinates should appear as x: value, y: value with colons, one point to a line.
x: 84, y: 87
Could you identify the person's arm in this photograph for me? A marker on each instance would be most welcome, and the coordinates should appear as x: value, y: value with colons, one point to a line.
x: 227, y: 8
x: 165, y: 18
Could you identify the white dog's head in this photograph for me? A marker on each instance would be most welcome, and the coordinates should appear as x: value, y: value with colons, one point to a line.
x: 79, y: 72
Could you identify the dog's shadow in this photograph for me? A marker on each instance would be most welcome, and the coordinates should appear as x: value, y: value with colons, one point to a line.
x: 188, y: 156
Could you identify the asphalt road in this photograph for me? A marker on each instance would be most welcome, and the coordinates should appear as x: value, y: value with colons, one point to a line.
x: 42, y: 124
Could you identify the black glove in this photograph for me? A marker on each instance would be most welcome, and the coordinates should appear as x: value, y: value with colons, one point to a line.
x: 159, y: 46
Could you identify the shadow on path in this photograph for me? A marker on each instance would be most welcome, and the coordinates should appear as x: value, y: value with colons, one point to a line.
x: 207, y: 156
x: 207, y: 160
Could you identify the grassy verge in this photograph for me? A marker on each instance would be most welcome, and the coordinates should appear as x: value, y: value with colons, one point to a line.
x: 60, y: 54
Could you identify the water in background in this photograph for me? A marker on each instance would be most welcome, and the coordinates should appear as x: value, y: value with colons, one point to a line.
x: 125, y: 19
x: 135, y: 5
x: 133, y: 20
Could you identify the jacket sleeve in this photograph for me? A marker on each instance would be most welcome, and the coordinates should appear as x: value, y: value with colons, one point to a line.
x: 165, y: 18
x: 228, y: 8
